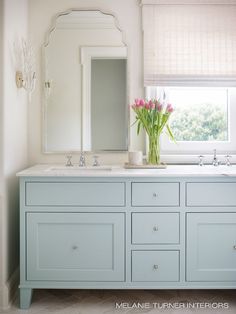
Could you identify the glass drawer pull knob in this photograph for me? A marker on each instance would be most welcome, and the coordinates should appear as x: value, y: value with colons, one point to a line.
x: 155, y: 228
x: 234, y: 247
x: 155, y: 267
x: 154, y: 194
x: 74, y: 247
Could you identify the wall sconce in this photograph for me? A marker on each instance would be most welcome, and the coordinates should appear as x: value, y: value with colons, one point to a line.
x: 26, y: 76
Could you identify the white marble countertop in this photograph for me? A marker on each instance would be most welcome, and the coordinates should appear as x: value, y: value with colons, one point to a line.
x: 59, y: 170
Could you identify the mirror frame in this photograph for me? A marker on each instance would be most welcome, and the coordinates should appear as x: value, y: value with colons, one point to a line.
x: 44, y: 83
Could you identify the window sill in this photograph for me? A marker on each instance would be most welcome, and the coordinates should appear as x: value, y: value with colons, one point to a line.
x: 194, y: 159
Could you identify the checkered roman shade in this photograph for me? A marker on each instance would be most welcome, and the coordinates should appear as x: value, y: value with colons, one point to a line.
x: 189, y: 42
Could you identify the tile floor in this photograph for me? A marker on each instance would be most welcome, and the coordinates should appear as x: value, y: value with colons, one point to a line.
x: 105, y: 301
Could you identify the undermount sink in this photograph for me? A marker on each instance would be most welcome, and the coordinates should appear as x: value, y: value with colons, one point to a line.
x: 78, y: 169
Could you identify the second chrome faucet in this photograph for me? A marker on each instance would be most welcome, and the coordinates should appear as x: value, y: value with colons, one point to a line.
x: 215, y: 161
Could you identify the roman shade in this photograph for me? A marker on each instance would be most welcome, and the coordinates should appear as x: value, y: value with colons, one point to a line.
x: 191, y: 43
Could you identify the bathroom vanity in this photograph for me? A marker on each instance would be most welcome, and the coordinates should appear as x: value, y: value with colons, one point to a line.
x: 115, y: 228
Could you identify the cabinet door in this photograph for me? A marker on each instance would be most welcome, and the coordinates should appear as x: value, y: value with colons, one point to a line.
x: 211, y: 247
x: 75, y: 246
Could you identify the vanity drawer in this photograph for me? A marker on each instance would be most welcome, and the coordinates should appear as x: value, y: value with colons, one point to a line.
x: 75, y: 194
x: 211, y: 194
x: 155, y: 194
x: 155, y: 265
x: 155, y: 228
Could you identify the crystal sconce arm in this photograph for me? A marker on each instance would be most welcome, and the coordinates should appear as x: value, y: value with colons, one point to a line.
x: 26, y: 76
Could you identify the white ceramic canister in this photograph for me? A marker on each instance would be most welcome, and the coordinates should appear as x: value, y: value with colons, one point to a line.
x: 136, y: 158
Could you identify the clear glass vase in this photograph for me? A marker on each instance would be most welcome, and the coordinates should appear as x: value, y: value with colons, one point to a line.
x: 154, y: 150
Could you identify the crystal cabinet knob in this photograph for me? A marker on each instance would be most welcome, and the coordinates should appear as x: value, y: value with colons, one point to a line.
x: 234, y: 247
x: 155, y: 228
x: 74, y: 247
x: 154, y: 194
x: 155, y: 266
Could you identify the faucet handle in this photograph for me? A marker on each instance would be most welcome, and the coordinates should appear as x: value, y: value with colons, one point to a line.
x: 69, y: 163
x: 201, y: 163
x: 95, y: 161
x: 227, y: 161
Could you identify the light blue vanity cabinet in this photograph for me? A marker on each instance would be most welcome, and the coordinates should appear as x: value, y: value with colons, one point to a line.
x: 126, y: 232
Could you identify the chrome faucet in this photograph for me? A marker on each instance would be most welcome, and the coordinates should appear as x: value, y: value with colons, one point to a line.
x: 215, y: 161
x: 82, y: 162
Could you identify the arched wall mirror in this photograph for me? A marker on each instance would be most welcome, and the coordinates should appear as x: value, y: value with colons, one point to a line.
x: 85, y: 84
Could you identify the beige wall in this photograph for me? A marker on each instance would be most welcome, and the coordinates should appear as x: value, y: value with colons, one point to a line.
x: 41, y: 14
x: 14, y: 142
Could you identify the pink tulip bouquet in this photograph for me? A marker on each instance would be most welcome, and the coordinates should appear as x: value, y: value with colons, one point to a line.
x: 153, y: 117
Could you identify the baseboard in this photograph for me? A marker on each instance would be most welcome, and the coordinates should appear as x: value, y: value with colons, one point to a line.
x: 9, y: 292
x: 1, y: 298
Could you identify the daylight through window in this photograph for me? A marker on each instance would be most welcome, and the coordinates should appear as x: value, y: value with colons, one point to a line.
x: 200, y: 114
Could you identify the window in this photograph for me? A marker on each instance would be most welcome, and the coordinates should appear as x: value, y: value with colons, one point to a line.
x: 202, y: 120
x: 201, y: 114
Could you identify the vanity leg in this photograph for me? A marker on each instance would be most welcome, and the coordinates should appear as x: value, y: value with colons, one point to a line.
x: 25, y: 298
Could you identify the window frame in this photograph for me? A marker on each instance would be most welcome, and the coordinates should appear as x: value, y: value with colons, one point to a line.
x: 199, y: 147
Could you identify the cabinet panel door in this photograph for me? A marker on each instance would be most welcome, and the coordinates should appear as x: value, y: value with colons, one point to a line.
x: 75, y: 246
x: 211, y: 247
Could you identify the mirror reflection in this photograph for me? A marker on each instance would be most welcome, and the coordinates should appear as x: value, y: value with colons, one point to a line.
x: 85, y: 68
x: 108, y: 108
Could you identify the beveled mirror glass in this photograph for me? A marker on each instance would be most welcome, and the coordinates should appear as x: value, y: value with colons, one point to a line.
x: 85, y: 86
